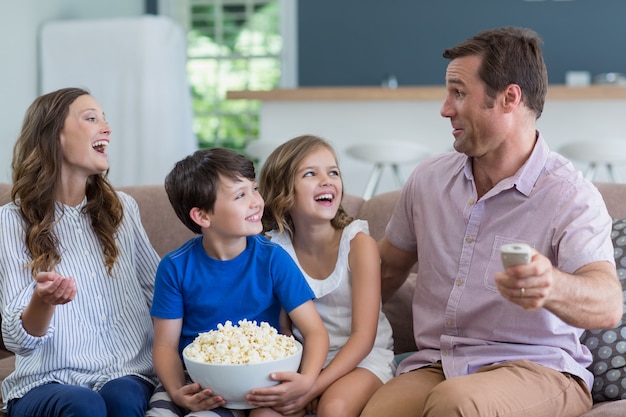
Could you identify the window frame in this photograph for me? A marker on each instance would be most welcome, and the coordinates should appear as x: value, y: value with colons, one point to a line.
x: 180, y: 11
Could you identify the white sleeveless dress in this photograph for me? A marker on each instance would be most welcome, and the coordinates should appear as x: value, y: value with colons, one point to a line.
x: 334, y: 305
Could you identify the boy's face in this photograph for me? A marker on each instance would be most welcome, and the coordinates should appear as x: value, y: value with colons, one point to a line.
x: 238, y: 209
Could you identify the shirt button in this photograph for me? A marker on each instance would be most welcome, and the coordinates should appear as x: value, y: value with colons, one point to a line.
x: 449, y: 323
x: 459, y: 282
x: 471, y: 201
x: 469, y: 239
x: 79, y: 232
x: 444, y: 353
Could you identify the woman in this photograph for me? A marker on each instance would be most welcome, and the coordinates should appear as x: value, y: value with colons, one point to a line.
x: 76, y: 271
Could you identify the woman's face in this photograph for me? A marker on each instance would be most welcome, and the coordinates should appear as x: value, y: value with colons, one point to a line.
x: 84, y: 139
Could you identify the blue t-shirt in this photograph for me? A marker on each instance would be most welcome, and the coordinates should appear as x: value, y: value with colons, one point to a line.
x: 205, y: 292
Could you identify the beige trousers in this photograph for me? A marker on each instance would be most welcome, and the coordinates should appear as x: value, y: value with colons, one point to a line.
x: 510, y: 389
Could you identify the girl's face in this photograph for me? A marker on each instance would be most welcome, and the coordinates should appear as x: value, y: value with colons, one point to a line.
x: 318, y: 186
x: 84, y: 139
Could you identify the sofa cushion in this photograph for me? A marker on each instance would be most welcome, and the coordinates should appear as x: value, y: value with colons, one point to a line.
x: 608, y: 346
x: 398, y: 311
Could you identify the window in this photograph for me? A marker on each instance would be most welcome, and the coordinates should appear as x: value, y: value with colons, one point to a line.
x: 232, y: 45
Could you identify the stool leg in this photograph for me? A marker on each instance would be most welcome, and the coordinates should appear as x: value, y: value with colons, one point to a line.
x: 399, y: 176
x: 612, y: 174
x: 372, y: 183
x: 591, y: 171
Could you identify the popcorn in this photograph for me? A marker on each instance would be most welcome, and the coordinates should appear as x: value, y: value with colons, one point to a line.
x: 236, y: 345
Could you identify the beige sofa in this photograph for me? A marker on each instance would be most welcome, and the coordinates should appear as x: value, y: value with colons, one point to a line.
x: 166, y: 232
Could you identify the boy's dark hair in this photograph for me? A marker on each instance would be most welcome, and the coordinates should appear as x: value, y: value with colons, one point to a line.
x: 194, y: 180
x: 510, y: 55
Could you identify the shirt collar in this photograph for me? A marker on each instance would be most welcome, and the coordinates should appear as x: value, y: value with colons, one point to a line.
x: 525, y: 178
x: 61, y: 208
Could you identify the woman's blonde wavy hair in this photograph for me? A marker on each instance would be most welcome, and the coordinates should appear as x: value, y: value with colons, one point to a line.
x: 277, y: 183
x: 36, y: 166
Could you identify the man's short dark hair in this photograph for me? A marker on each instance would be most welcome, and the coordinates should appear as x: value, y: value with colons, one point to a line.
x: 510, y: 55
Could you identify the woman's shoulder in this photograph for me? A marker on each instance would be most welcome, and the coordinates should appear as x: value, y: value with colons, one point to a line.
x: 9, y: 211
x: 11, y: 206
x: 128, y: 203
x: 125, y: 198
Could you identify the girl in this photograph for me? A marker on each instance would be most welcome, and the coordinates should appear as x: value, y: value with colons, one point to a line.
x: 302, y: 187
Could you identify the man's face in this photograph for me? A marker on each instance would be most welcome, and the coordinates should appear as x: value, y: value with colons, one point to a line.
x: 474, y: 115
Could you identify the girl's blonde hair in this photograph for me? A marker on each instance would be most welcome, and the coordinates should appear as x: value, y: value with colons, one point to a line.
x: 277, y: 183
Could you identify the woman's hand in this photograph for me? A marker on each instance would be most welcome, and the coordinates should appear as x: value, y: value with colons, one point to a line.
x: 54, y: 289
x: 51, y: 289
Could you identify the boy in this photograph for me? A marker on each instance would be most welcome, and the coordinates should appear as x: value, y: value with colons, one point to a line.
x: 229, y: 272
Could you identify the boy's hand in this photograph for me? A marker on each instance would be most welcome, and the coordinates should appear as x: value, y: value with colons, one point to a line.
x: 194, y: 398
x: 287, y: 397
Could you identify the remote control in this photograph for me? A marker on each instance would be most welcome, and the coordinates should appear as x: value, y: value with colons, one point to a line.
x: 515, y: 254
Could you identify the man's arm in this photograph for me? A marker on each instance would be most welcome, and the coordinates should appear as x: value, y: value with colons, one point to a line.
x: 395, y: 267
x: 590, y: 298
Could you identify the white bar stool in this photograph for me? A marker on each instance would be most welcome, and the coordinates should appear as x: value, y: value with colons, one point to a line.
x: 392, y: 153
x: 597, y: 153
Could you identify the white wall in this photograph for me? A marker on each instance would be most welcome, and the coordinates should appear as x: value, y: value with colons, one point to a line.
x: 344, y: 123
x: 19, y: 79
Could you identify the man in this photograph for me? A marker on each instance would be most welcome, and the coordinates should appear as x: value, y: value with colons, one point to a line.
x: 494, y: 342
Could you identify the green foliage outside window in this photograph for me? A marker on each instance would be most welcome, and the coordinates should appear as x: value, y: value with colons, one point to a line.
x: 231, y: 47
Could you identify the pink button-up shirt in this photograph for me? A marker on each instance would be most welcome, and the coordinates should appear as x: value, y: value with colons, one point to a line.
x: 459, y: 318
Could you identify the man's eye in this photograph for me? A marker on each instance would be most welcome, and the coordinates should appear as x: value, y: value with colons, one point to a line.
x: 334, y: 173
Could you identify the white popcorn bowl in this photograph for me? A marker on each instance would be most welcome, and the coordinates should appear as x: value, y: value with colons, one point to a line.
x: 233, y: 382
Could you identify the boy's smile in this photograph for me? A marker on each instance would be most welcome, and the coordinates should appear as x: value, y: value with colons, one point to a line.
x: 237, y: 213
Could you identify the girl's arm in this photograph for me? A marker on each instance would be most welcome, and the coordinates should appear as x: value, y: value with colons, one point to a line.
x: 364, y: 261
x: 295, y: 384
x: 308, y: 321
